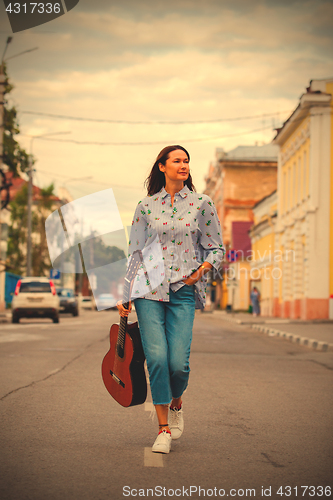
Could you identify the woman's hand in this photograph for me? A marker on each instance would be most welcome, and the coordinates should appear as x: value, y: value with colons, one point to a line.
x: 121, y: 309
x: 189, y: 281
x: 193, y: 278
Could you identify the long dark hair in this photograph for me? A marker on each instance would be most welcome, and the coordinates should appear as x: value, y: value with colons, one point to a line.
x: 156, y: 179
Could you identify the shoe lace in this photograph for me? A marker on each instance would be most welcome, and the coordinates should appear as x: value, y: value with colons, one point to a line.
x: 174, y: 417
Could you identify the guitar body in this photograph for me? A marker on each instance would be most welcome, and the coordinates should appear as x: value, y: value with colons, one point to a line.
x: 123, y: 370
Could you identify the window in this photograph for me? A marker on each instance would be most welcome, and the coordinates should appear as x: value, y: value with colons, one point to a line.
x: 299, y: 183
x: 35, y: 287
x: 284, y: 193
x: 303, y: 264
x: 289, y: 189
x: 64, y: 292
x: 304, y: 174
x: 294, y: 198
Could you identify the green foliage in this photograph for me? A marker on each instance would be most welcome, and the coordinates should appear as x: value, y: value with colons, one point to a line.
x: 15, y: 157
x: 17, y: 232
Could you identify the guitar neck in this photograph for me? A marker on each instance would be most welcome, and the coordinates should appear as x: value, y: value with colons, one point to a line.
x: 123, y: 320
x: 134, y: 264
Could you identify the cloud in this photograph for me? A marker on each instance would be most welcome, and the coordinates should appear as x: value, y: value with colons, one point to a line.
x: 186, y: 78
x: 264, y: 27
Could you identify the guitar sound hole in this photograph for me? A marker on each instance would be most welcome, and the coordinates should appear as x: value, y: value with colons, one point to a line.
x: 120, y: 351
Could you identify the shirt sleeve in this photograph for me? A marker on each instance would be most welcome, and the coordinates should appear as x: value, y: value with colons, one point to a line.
x: 138, y: 233
x: 210, y: 229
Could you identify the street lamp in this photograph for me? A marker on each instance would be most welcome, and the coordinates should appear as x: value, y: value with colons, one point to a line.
x: 8, y: 41
x: 30, y: 173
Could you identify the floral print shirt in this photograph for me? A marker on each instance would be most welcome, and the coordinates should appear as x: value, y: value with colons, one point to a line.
x: 175, y: 241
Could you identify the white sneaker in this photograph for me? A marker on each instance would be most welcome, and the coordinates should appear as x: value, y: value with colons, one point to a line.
x: 176, y: 422
x: 162, y: 443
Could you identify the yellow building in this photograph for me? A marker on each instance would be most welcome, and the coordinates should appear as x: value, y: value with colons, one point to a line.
x: 304, y: 227
x: 264, y: 269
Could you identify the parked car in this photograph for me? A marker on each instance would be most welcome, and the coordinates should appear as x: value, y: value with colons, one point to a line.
x: 106, y: 301
x: 35, y: 298
x: 68, y: 301
x: 86, y: 302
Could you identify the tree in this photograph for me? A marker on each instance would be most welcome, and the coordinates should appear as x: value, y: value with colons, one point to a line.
x: 15, y: 157
x: 17, y: 232
x: 40, y: 255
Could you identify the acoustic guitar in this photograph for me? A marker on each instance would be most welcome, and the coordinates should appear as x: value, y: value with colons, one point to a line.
x: 123, y: 365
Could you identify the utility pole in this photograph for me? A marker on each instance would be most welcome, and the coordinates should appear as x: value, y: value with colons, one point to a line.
x: 3, y: 236
x: 29, y: 245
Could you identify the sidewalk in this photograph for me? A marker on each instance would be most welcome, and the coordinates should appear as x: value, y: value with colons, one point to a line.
x: 316, y: 334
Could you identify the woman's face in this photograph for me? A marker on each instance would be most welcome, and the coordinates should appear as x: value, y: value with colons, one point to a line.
x: 176, y: 167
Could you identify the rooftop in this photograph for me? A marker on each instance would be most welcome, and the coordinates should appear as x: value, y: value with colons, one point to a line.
x: 265, y: 152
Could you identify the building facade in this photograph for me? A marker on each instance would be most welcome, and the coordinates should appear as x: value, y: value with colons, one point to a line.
x: 304, y: 227
x: 236, y: 181
x: 265, y: 266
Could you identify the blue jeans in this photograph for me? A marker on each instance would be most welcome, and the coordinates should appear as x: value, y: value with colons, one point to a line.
x: 166, y: 334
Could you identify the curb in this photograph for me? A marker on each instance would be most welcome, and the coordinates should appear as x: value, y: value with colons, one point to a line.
x: 297, y: 339
x: 318, y: 345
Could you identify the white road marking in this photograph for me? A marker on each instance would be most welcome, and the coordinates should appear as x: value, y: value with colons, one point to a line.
x: 19, y: 337
x: 58, y: 349
x: 149, y: 406
x: 40, y: 326
x: 152, y: 459
x: 74, y: 323
x: 21, y: 326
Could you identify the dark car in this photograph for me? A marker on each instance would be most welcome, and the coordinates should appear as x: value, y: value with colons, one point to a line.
x: 68, y: 301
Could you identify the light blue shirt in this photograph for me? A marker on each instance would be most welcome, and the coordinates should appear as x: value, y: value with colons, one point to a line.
x: 175, y: 241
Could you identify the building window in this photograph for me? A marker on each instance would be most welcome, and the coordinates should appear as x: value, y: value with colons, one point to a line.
x: 291, y: 282
x: 303, y: 265
x: 299, y: 176
x: 304, y: 174
x: 294, y: 199
x: 284, y: 193
x: 289, y: 190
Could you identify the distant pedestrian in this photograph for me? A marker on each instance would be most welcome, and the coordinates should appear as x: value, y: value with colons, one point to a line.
x: 187, y: 229
x: 255, y: 299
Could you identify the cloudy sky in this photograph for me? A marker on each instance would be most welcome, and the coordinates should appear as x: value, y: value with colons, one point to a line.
x: 164, y: 72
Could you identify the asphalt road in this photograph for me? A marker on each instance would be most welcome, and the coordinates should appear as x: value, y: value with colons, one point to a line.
x: 258, y: 414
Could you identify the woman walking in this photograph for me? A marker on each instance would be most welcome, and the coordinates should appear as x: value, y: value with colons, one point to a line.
x: 179, y: 233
